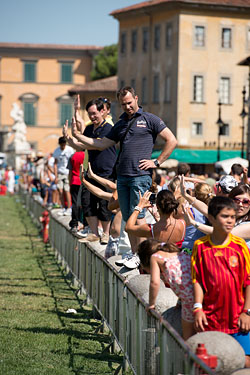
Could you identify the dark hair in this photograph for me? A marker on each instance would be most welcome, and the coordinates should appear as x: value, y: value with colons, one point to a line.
x: 166, y: 202
x: 158, y: 178
x: 99, y: 104
x: 183, y: 168
x: 238, y: 190
x: 151, y: 246
x: 237, y: 169
x: 105, y: 101
x: 218, y: 203
x: 124, y: 90
x: 62, y: 140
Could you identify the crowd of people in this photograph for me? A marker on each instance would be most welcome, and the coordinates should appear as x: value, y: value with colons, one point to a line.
x: 193, y: 232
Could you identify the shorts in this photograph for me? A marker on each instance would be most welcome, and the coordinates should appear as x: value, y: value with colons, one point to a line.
x: 63, y: 182
x: 243, y: 339
x: 94, y: 206
x: 128, y: 193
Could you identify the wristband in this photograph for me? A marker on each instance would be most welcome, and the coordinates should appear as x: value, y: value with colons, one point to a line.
x: 137, y: 208
x: 196, y: 225
x: 196, y: 310
x: 197, y: 305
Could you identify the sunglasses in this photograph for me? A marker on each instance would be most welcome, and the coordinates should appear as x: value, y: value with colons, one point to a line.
x: 245, y: 202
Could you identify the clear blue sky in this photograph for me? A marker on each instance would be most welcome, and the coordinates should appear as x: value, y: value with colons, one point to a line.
x: 84, y: 22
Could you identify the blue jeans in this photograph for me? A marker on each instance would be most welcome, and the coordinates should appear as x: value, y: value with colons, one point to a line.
x: 128, y: 193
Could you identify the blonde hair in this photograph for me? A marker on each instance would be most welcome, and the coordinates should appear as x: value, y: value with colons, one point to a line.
x: 174, y: 184
x: 203, y: 192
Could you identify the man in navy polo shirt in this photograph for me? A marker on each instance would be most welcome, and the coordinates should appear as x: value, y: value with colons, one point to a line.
x: 102, y: 163
x: 135, y: 164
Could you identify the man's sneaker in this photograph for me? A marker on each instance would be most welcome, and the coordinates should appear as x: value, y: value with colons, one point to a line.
x: 120, y: 262
x: 133, y: 262
x: 67, y: 212
x: 84, y: 232
x: 91, y: 237
x: 104, y: 239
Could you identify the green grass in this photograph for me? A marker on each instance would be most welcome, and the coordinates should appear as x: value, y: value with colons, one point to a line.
x: 37, y: 336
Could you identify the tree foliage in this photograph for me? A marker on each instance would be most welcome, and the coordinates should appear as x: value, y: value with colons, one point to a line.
x: 105, y: 63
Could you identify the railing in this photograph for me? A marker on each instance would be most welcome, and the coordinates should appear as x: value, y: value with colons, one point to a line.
x: 150, y: 344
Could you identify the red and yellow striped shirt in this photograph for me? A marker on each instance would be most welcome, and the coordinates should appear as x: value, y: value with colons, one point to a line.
x: 223, y: 272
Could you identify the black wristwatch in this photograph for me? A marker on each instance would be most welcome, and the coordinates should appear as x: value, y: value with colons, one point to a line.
x: 246, y: 311
x: 156, y: 163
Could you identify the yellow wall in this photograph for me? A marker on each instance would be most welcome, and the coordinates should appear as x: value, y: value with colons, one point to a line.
x: 182, y: 61
x: 47, y: 87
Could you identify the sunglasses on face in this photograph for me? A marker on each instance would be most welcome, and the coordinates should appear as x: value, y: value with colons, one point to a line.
x: 245, y: 202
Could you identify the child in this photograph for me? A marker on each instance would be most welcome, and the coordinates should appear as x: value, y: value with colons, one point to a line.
x: 164, y: 260
x: 220, y: 267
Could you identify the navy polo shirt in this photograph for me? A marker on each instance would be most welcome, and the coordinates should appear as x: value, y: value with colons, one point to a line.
x: 138, y: 143
x: 102, y: 162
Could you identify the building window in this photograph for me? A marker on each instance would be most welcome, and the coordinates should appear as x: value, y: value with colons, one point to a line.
x: 65, y: 112
x: 157, y: 37
x: 224, y: 90
x: 198, y: 89
x: 169, y: 35
x: 196, y: 128
x: 156, y: 88
x: 65, y: 109
x: 167, y: 89
x: 123, y: 42
x: 122, y: 83
x: 134, y: 41
x: 66, y: 72
x: 199, y: 36
x: 145, y: 39
x: 226, y: 37
x: 133, y: 83
x: 29, y: 71
x: 224, y: 130
x: 144, y: 91
x: 29, y: 104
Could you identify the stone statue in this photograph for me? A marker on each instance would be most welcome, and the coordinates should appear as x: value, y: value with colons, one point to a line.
x: 19, y: 147
x: 19, y: 142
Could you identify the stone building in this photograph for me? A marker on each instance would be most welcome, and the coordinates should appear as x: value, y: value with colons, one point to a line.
x: 38, y: 77
x: 182, y: 56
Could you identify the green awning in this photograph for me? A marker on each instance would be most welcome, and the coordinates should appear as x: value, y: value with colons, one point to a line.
x: 192, y: 156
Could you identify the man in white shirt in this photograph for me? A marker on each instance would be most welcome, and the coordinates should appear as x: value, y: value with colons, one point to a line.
x: 62, y: 155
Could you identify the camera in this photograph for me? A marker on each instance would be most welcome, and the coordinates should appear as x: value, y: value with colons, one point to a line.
x: 152, y: 198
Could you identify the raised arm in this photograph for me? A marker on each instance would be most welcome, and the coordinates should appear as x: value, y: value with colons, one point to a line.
x: 142, y: 230
x: 94, y: 189
x: 169, y: 146
x: 80, y: 124
x: 90, y: 143
x: 199, y: 205
x: 70, y: 140
x: 103, y: 181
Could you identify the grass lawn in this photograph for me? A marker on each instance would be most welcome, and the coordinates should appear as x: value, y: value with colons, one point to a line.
x: 37, y: 336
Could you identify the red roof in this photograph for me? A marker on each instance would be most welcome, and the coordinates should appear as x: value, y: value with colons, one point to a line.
x: 150, y: 3
x: 109, y: 84
x: 49, y: 46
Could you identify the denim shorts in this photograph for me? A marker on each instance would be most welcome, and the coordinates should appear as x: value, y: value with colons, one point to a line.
x: 128, y: 193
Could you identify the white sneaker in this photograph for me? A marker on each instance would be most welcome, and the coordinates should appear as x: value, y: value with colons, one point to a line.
x: 84, y: 232
x: 67, y: 212
x: 133, y: 262
x: 61, y: 213
x: 125, y: 257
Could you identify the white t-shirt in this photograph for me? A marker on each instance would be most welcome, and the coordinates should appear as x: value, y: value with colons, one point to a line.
x: 62, y: 157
